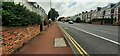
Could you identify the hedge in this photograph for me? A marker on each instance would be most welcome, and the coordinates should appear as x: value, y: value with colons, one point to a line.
x: 102, y: 19
x: 17, y: 15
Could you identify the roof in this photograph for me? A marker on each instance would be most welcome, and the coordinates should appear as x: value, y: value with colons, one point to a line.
x: 32, y: 3
x: 117, y: 5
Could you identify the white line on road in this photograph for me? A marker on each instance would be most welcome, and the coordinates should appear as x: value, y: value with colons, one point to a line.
x: 97, y: 35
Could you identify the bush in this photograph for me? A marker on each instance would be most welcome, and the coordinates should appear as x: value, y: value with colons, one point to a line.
x: 78, y: 20
x: 18, y: 15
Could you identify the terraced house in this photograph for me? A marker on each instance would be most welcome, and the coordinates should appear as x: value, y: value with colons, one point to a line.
x: 104, y: 14
x: 116, y: 13
x: 94, y: 14
x: 109, y: 14
x: 89, y: 16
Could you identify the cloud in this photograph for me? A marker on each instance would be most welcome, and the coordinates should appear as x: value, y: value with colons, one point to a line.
x: 72, y: 4
x: 72, y: 7
x: 76, y: 0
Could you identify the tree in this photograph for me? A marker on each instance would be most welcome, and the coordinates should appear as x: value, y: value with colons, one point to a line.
x: 18, y: 15
x: 78, y: 20
x: 52, y: 14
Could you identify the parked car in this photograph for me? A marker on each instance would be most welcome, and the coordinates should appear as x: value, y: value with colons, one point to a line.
x: 70, y: 22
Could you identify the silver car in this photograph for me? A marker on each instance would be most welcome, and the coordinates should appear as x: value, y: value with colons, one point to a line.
x: 70, y: 22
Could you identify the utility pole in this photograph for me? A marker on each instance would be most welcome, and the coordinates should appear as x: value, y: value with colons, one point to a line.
x: 48, y: 19
x: 50, y: 4
x: 50, y: 12
x: 50, y: 7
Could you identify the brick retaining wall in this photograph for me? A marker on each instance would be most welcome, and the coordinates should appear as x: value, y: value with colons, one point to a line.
x: 15, y: 38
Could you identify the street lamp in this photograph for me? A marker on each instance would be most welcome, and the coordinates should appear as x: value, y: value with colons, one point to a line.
x: 50, y: 4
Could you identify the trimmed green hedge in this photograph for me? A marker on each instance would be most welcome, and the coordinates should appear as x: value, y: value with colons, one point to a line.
x: 17, y: 15
x: 105, y: 20
x: 102, y: 19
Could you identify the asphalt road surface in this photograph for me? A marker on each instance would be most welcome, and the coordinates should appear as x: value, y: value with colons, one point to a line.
x: 95, y: 39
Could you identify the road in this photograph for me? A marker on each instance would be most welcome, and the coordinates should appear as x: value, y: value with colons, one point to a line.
x: 95, y: 39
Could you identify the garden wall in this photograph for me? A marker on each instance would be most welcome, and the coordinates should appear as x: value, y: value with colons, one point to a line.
x: 17, y: 37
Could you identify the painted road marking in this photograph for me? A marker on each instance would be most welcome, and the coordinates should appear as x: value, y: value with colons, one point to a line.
x: 77, y: 46
x: 115, y: 42
x: 74, y: 44
x: 83, y: 51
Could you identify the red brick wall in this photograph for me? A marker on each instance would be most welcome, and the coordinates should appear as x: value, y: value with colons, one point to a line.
x: 14, y: 38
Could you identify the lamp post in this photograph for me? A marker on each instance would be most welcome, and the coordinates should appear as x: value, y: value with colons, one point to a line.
x: 50, y: 4
x: 50, y: 13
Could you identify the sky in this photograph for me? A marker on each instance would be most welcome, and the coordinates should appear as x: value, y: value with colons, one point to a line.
x: 73, y: 7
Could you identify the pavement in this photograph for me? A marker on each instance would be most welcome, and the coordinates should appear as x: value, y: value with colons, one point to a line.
x: 44, y: 43
x: 95, y: 39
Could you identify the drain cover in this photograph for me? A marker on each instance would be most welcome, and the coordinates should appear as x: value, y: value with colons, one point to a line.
x: 59, y: 42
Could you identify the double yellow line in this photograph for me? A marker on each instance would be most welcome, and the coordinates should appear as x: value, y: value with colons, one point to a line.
x: 77, y: 46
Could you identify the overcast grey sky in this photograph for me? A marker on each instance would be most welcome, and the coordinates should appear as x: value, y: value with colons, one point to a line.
x: 73, y: 7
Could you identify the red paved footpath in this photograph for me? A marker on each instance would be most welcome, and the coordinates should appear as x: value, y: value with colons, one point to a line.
x: 43, y: 43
